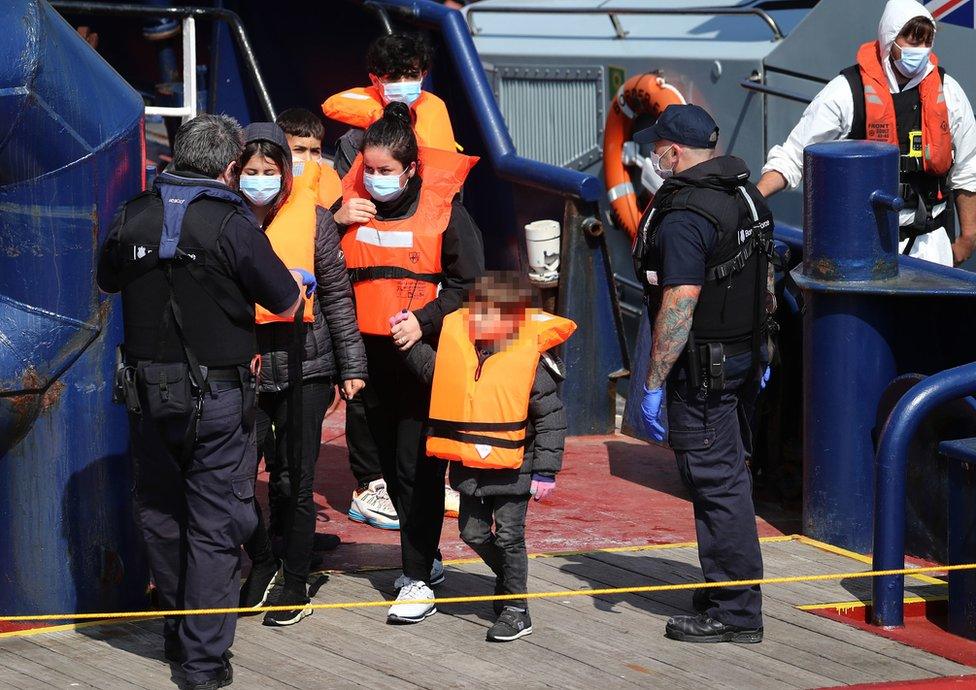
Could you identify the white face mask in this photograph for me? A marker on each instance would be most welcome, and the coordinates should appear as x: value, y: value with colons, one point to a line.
x: 913, y: 60
x: 656, y: 164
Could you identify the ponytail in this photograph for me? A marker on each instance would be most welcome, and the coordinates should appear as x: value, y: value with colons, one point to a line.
x: 394, y: 132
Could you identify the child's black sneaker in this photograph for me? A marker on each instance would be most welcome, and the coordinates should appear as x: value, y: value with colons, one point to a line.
x: 512, y: 624
x: 258, y: 585
x: 289, y: 596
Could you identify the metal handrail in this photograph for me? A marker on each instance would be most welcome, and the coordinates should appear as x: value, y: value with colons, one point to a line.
x: 614, y: 12
x: 750, y: 85
x: 212, y: 13
x: 488, y: 118
x: 891, y: 471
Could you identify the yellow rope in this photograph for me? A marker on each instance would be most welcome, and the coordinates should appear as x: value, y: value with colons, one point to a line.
x: 498, y: 597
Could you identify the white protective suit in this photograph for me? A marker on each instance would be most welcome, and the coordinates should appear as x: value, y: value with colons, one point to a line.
x: 829, y: 117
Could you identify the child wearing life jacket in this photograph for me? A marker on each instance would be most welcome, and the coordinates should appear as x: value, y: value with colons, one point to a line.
x: 496, y: 414
x: 397, y: 65
x: 304, y: 131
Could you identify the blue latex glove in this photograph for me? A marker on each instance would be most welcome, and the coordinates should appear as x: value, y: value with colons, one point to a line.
x: 308, y: 280
x: 765, y: 377
x: 651, y: 411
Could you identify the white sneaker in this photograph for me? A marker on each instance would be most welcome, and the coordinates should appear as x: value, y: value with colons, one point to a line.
x: 374, y: 507
x: 413, y: 590
x: 452, y: 502
x: 436, y: 576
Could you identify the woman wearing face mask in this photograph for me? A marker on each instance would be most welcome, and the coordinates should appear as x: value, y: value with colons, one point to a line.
x: 293, y: 397
x: 413, y: 252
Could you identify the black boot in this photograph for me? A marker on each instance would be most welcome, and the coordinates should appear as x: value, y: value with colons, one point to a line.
x: 701, y: 628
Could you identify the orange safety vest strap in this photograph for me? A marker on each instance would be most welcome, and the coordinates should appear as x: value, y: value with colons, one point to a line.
x: 358, y: 275
x: 438, y: 432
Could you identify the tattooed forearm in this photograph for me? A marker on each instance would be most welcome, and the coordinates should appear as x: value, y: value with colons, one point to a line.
x: 671, y: 329
x: 771, y: 290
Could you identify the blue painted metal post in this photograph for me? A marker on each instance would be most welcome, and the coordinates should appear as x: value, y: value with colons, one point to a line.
x: 68, y: 541
x: 850, y: 236
x: 892, y: 463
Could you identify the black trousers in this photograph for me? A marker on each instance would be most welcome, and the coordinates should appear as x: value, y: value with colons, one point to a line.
x: 364, y: 456
x: 194, y: 521
x: 504, y: 549
x: 292, y: 501
x: 395, y: 406
x: 710, y: 438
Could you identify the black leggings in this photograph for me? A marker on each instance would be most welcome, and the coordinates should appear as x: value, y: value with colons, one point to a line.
x: 391, y: 419
x: 292, y: 501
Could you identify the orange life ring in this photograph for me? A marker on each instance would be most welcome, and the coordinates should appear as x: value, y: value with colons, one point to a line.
x: 646, y: 94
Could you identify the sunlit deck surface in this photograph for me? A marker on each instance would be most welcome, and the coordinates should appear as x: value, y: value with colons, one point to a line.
x: 618, y: 519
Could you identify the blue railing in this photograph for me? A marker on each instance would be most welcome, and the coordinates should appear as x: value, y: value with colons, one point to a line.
x: 891, y: 470
x: 491, y: 124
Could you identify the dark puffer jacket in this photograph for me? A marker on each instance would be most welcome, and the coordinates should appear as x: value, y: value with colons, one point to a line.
x: 333, y: 346
x: 545, y: 436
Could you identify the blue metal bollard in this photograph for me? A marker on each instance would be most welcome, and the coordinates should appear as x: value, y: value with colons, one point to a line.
x: 68, y: 541
x: 850, y: 236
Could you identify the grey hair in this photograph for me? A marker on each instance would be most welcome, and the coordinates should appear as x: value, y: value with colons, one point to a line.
x: 207, y: 144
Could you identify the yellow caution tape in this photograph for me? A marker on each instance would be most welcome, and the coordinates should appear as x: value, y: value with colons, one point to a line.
x: 496, y: 597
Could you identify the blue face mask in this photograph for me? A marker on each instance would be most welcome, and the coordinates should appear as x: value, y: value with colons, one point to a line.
x: 260, y: 189
x: 383, y: 187
x: 402, y: 91
x: 913, y: 61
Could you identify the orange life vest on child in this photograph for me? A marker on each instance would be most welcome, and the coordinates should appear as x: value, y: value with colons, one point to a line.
x: 479, y: 412
x: 361, y: 107
x: 396, y: 264
x: 880, y: 110
x: 292, y: 235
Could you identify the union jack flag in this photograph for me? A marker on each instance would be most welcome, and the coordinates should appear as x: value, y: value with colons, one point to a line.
x: 959, y: 12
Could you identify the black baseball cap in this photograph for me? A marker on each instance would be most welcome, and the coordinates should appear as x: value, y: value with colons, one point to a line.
x: 689, y: 125
x: 268, y: 131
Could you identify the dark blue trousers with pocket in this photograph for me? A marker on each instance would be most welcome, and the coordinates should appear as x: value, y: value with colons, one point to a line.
x: 195, y: 519
x: 710, y: 437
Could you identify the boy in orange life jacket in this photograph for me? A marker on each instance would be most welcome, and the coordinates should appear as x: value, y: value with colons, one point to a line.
x: 305, y: 132
x: 397, y: 65
x: 496, y: 413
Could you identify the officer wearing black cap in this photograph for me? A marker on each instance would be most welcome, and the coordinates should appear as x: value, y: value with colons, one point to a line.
x: 702, y: 252
x: 190, y: 264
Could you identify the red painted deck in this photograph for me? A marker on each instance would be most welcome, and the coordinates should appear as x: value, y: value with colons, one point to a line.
x: 613, y: 491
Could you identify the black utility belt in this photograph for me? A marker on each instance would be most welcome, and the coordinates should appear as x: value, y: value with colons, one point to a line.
x: 706, y: 362
x: 165, y: 390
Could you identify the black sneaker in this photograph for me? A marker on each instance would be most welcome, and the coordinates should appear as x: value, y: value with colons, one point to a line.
x: 257, y: 587
x: 223, y: 679
x: 701, y: 628
x: 512, y: 624
x: 325, y: 542
x: 289, y: 596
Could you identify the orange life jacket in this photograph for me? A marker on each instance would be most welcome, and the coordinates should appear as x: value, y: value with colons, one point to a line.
x: 330, y: 186
x: 479, y: 412
x: 362, y: 106
x: 292, y: 235
x: 396, y: 264
x: 880, y: 110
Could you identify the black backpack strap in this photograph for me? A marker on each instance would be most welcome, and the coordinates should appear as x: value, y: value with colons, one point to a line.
x: 859, y: 129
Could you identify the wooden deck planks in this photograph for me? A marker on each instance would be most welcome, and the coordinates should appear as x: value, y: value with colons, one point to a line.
x: 602, y: 642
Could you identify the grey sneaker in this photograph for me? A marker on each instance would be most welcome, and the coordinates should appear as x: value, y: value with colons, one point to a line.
x: 512, y: 624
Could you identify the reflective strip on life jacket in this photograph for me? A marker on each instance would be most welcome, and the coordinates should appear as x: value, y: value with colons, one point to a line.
x: 292, y: 236
x: 479, y: 409
x: 362, y: 106
x: 881, y: 124
x: 396, y: 264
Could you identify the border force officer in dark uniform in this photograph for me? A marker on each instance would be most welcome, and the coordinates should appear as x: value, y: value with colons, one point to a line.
x: 191, y: 263
x: 702, y: 253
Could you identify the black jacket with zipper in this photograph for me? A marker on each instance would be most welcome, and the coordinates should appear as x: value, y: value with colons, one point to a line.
x: 333, y: 346
x: 545, y: 437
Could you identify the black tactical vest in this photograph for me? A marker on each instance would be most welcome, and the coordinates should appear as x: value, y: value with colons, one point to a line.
x: 218, y: 319
x: 732, y: 301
